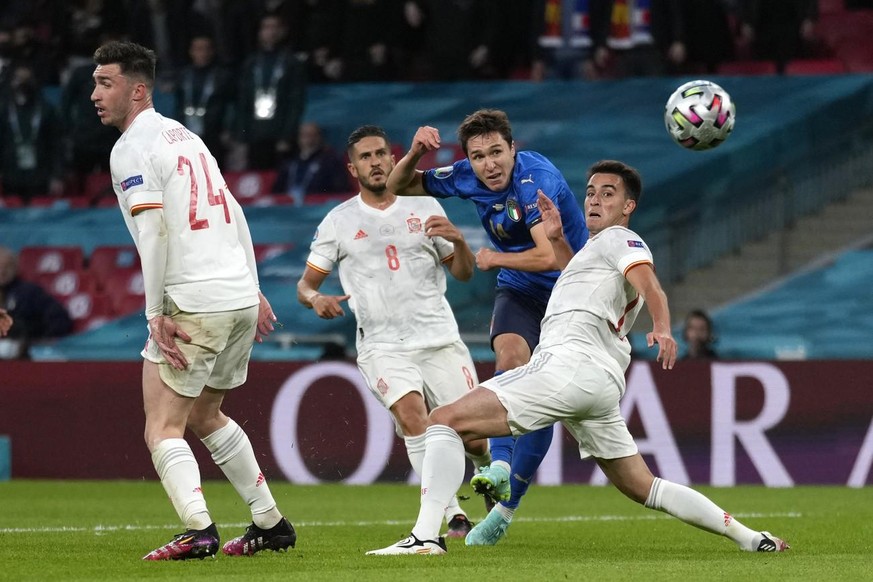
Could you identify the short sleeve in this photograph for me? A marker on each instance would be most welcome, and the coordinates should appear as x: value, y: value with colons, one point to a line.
x: 135, y: 180
x: 324, y: 249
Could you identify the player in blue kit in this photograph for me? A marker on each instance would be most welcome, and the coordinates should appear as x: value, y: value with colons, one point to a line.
x: 503, y: 184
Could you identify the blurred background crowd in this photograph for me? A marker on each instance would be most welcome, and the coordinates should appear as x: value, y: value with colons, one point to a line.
x: 237, y: 71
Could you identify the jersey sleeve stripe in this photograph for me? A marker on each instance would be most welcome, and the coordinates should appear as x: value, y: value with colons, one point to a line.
x: 134, y: 210
x: 316, y: 268
x: 636, y: 264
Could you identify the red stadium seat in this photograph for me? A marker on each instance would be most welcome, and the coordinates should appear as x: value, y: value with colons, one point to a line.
x: 815, y: 67
x: 66, y: 283
x: 747, y: 68
x: 267, y: 251
x: 106, y: 259
x: 11, y: 201
x: 445, y: 156
x: 250, y: 185
x: 128, y: 304
x: 34, y: 260
x: 126, y: 290
x: 88, y: 310
x: 98, y: 185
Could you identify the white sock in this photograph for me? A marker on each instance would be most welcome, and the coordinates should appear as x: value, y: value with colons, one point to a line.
x: 506, y: 512
x: 441, y: 475
x: 180, y: 475
x: 696, y: 509
x: 503, y: 464
x: 232, y: 451
x: 415, y: 452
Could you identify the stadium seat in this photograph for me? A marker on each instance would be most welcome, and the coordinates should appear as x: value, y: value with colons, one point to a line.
x: 34, y: 260
x: 88, y: 310
x: 815, y: 67
x: 250, y: 185
x: 126, y: 290
x: 747, y: 68
x: 445, y: 156
x: 11, y: 201
x: 66, y: 283
x: 128, y: 304
x: 106, y: 259
x: 98, y: 185
x: 266, y: 251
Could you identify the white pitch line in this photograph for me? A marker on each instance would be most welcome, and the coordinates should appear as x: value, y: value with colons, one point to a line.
x: 103, y: 529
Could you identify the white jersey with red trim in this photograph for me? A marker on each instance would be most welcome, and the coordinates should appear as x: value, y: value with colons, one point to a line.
x: 158, y: 163
x: 392, y: 271
x: 593, y: 306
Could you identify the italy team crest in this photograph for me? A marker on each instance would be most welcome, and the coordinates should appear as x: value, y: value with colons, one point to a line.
x: 512, y: 210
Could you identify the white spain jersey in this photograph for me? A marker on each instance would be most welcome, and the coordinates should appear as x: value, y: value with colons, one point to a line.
x: 593, y: 306
x: 391, y: 270
x: 158, y: 163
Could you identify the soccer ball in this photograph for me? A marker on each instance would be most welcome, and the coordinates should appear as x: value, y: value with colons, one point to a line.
x: 699, y: 115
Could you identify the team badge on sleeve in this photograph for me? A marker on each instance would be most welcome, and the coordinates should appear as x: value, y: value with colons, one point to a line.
x: 131, y: 182
x: 443, y: 173
x: 636, y: 243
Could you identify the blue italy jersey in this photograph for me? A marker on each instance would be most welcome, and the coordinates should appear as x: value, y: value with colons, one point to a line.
x: 508, y: 216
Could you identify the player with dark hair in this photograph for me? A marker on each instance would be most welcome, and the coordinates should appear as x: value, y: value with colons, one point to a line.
x: 391, y: 253
x: 576, y: 374
x: 203, y: 306
x: 503, y: 183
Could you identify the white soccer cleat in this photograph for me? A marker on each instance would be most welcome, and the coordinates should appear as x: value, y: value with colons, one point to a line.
x: 411, y: 546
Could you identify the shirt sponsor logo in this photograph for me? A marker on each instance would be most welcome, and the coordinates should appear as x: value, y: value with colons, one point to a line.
x: 131, y: 182
x: 636, y: 243
x: 413, y: 224
x: 443, y: 173
x: 513, y: 211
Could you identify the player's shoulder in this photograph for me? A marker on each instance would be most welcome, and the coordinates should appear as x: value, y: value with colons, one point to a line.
x: 535, y: 171
x: 345, y: 208
x: 623, y: 236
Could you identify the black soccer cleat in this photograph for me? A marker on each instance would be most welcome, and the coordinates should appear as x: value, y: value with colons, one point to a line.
x: 279, y: 537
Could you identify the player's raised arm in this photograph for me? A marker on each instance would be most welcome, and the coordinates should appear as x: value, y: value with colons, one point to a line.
x: 554, y: 229
x: 644, y: 280
x: 405, y: 179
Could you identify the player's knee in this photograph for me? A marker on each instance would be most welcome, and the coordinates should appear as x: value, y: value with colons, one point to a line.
x: 443, y: 415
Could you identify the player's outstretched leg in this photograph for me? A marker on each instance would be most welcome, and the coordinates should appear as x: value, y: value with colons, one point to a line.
x: 696, y: 509
x: 280, y: 537
x: 194, y: 543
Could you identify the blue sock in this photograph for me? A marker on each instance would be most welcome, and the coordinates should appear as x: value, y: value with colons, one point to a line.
x: 530, y: 449
x: 501, y: 447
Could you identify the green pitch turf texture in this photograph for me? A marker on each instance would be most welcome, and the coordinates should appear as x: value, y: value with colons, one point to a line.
x: 65, y: 530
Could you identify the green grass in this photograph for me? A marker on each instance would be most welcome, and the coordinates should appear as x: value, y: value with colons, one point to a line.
x: 66, y: 530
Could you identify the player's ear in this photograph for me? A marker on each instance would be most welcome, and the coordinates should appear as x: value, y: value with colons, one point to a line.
x: 629, y: 206
x: 352, y: 169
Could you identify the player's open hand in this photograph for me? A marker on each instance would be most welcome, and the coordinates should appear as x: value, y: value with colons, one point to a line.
x: 554, y: 228
x: 328, y: 306
x: 426, y: 139
x: 441, y: 226
x: 5, y: 322
x: 667, y: 348
x: 164, y: 332
x: 266, y: 319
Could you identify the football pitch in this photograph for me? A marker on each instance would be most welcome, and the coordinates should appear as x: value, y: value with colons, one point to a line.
x: 90, y: 530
